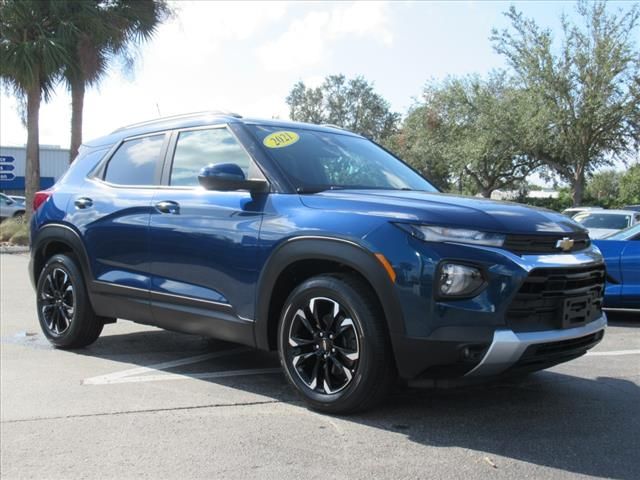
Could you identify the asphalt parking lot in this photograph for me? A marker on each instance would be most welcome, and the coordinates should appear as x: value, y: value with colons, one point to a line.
x: 145, y: 403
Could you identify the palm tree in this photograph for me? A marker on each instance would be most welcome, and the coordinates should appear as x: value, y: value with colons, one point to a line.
x: 104, y: 31
x: 32, y: 53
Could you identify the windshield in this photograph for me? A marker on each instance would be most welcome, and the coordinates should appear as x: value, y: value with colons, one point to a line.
x: 316, y: 161
x: 627, y: 234
x: 615, y: 221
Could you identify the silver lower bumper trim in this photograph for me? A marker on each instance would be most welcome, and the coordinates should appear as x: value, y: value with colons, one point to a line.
x: 507, y: 346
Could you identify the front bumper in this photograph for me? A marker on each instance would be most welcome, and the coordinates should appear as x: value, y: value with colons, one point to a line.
x: 507, y: 349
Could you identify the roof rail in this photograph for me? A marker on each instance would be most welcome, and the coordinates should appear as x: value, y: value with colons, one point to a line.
x: 177, y: 117
x: 331, y: 125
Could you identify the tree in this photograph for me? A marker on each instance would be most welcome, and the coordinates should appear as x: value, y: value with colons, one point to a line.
x: 603, y: 188
x: 586, y: 87
x: 472, y: 132
x: 630, y: 186
x: 104, y: 30
x: 32, y: 52
x: 351, y: 104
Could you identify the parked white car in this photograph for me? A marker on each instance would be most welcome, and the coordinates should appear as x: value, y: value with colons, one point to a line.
x: 573, y: 211
x: 601, y: 223
x: 10, y: 208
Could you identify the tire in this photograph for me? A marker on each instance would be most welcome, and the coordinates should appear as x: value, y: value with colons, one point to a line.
x: 65, y: 313
x: 19, y: 217
x: 334, y: 346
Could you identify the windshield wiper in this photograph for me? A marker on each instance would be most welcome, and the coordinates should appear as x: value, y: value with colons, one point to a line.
x: 318, y: 189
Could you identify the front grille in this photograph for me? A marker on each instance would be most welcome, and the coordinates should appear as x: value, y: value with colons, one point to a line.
x: 552, y: 298
x: 539, y: 244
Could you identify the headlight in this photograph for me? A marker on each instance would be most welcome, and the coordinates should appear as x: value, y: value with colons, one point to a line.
x: 430, y: 233
x: 455, y: 280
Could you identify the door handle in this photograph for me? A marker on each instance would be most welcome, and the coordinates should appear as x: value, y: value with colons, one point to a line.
x: 168, y: 206
x: 83, y: 202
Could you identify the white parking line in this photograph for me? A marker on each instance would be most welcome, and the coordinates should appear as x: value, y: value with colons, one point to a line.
x: 614, y: 353
x: 125, y: 376
x: 185, y: 376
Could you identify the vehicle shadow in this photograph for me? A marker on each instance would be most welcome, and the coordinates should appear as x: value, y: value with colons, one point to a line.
x: 624, y: 319
x: 555, y: 420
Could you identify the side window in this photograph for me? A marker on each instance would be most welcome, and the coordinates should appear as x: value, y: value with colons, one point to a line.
x: 135, y: 162
x: 198, y: 148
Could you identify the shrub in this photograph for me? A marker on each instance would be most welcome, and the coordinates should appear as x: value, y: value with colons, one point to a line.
x: 14, y: 231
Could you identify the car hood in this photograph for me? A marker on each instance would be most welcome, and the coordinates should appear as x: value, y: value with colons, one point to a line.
x: 444, y: 209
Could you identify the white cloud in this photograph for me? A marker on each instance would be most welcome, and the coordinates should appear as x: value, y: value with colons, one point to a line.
x: 308, y: 40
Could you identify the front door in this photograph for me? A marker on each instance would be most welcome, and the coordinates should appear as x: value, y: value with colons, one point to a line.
x: 204, y: 244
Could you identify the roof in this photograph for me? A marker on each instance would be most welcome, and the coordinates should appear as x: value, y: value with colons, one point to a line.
x: 201, y: 119
x: 611, y: 212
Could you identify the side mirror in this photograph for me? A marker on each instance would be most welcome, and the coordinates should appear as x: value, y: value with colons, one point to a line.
x: 228, y: 177
x: 10, y: 201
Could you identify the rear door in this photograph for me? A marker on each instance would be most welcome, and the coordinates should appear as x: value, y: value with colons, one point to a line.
x: 204, y: 244
x: 111, y: 210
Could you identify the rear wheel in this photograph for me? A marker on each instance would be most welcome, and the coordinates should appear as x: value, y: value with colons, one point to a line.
x: 64, y: 311
x: 334, y: 346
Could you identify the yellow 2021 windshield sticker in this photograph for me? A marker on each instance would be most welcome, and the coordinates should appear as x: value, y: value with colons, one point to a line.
x: 280, y: 139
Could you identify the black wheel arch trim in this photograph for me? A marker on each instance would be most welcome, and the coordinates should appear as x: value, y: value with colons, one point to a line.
x: 339, y: 250
x: 57, y: 232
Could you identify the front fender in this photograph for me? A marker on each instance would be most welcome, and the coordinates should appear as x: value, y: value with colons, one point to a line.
x: 346, y: 252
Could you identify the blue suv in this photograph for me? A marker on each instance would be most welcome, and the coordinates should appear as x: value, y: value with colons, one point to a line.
x: 315, y: 242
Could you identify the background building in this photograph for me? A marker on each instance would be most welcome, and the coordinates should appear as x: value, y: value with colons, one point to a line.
x: 54, y: 161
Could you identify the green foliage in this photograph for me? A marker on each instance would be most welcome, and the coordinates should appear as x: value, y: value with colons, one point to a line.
x: 104, y: 30
x: 32, y: 50
x: 418, y: 144
x: 630, y: 186
x: 603, y: 188
x: 470, y: 132
x: 586, y: 88
x: 352, y: 104
x: 563, y: 202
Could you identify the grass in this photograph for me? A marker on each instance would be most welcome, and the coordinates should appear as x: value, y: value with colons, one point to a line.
x: 15, y: 232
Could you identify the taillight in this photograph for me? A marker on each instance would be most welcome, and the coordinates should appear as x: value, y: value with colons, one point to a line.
x: 40, y: 197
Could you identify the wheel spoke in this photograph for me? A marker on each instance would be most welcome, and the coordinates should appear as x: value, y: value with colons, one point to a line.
x: 349, y: 354
x: 48, y: 285
x: 346, y: 372
x: 54, y: 320
x: 300, y: 342
x: 314, y: 375
x: 300, y: 315
x: 317, y: 314
x: 65, y: 320
x: 345, y: 324
x: 327, y: 378
x: 302, y: 358
x: 65, y: 280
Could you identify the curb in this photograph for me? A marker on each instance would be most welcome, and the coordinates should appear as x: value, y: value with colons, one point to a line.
x: 13, y: 249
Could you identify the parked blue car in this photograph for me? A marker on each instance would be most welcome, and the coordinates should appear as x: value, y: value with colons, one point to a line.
x: 621, y: 253
x: 315, y: 242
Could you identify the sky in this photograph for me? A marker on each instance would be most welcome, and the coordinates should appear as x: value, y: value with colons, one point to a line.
x: 245, y: 57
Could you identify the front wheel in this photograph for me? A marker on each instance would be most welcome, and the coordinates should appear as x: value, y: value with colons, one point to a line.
x: 334, y: 346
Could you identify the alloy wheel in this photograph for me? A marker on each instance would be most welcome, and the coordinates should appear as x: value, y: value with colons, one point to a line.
x: 57, y: 301
x: 323, y: 345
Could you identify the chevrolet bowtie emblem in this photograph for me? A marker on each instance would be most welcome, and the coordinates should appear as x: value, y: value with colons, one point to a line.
x: 565, y: 244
